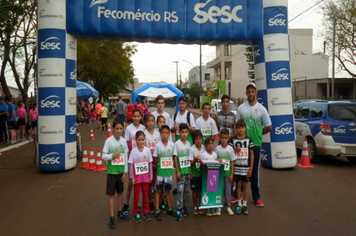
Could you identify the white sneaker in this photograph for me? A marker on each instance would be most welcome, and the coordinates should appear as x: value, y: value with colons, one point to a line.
x: 229, y: 211
x: 218, y: 212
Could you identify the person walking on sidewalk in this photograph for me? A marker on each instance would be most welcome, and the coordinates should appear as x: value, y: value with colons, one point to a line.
x: 258, y: 123
x: 3, y: 121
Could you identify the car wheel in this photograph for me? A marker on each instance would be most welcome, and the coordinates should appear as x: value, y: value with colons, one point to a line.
x: 352, y: 160
x: 313, y: 152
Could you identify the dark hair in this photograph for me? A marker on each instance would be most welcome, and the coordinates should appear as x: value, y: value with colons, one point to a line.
x: 225, y: 96
x: 137, y: 100
x: 165, y: 127
x: 182, y: 98
x: 148, y: 116
x: 183, y: 126
x: 8, y: 99
x: 197, y: 133
x: 119, y: 97
x: 118, y: 121
x: 159, y: 97
x: 205, y: 104
x: 140, y: 133
x: 240, y: 123
x: 34, y: 106
x: 224, y: 131
x: 160, y: 117
x: 136, y: 110
x: 208, y: 140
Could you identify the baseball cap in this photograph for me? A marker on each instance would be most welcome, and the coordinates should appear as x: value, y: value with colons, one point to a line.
x: 182, y: 98
x: 251, y: 85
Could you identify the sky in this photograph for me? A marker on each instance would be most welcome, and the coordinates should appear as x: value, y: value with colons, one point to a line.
x: 154, y: 62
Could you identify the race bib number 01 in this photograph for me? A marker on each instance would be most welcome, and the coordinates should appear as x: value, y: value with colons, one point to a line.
x: 166, y: 163
x: 206, y: 131
x: 141, y: 168
x: 226, y: 165
x: 118, y: 161
x: 184, y: 162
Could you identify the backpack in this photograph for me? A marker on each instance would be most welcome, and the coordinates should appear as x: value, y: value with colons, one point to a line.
x: 188, y: 117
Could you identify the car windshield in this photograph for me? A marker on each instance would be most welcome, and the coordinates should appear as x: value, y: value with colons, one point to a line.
x: 232, y: 106
x: 342, y: 112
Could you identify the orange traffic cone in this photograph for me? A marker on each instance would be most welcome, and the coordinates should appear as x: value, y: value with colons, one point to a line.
x: 305, y: 160
x: 109, y: 133
x: 92, y: 134
x: 99, y: 162
x: 85, y: 161
x: 91, y: 160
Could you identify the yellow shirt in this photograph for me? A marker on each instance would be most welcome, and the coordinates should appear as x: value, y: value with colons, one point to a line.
x: 104, y: 112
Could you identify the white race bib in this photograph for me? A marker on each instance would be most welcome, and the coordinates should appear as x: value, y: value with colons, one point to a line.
x: 141, y: 168
x: 197, y: 165
x: 151, y: 143
x: 118, y: 161
x: 134, y: 144
x: 166, y: 163
x: 226, y: 164
x: 184, y: 162
x: 206, y: 131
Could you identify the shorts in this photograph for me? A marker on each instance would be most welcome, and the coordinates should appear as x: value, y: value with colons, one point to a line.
x: 122, y: 117
x: 238, y: 178
x: 21, y: 121
x: 34, y: 124
x: 113, y: 182
x: 161, y: 180
x: 196, y: 183
x: 98, y: 117
x: 12, y: 124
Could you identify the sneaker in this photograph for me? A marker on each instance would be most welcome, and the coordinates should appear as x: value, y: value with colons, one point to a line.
x: 124, y: 215
x: 213, y: 212
x: 171, y: 212
x: 201, y: 212
x: 208, y: 212
x: 126, y: 207
x: 163, y: 209
x: 238, y: 210
x: 158, y: 216
x: 259, y: 203
x: 147, y: 217
x: 185, y: 211
x: 178, y: 215
x: 245, y: 210
x: 152, y: 208
x: 195, y: 211
x: 218, y: 212
x: 112, y: 224
x: 24, y: 139
x: 229, y: 211
x: 233, y: 200
x: 136, y: 218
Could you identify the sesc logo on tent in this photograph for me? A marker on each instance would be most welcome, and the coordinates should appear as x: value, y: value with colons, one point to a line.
x: 278, y: 20
x: 224, y: 14
x: 51, y: 43
x: 51, y: 102
x: 73, y: 74
x: 50, y: 159
x: 283, y: 128
x: 71, y: 129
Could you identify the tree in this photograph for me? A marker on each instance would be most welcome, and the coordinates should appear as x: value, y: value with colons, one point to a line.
x: 345, y: 36
x: 249, y: 53
x: 105, y: 64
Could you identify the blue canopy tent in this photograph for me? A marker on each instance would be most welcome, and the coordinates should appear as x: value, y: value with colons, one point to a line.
x: 153, y: 90
x: 85, y: 90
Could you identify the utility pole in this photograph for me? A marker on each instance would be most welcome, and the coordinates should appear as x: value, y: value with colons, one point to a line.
x: 201, y: 83
x: 176, y: 70
x: 333, y: 59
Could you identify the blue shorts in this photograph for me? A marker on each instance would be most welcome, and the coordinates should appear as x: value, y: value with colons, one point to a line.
x: 196, y: 183
x: 164, y: 180
x: 122, y: 117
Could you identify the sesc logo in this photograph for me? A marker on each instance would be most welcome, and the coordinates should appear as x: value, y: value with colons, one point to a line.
x: 340, y: 130
x: 263, y: 155
x: 73, y: 129
x: 51, y: 43
x: 50, y: 159
x: 281, y: 74
x: 260, y: 100
x: 278, y: 20
x: 285, y: 128
x: 225, y: 13
x: 73, y: 74
x: 95, y: 2
x: 50, y: 102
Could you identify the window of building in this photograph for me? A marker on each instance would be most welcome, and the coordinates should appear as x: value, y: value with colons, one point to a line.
x: 207, y: 77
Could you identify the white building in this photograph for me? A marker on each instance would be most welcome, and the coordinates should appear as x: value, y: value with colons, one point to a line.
x: 207, y: 75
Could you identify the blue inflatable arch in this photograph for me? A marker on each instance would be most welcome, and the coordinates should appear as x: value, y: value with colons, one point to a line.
x: 177, y: 92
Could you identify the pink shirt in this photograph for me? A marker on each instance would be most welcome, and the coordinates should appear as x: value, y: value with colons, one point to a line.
x: 33, y: 114
x: 141, y: 167
x: 21, y: 112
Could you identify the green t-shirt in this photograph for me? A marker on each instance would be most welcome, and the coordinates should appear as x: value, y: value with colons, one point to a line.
x: 196, y: 168
x: 164, y: 155
x: 228, y: 156
x: 182, y: 152
x: 116, y: 165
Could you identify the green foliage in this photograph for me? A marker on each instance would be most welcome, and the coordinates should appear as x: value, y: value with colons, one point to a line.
x: 105, y: 64
x: 345, y: 36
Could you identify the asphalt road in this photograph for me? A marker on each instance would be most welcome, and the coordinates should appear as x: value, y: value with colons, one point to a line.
x: 319, y: 201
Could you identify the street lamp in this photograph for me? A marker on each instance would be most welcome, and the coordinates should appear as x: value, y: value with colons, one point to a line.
x: 176, y: 69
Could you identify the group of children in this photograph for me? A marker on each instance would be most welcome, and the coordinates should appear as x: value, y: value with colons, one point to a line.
x: 148, y: 157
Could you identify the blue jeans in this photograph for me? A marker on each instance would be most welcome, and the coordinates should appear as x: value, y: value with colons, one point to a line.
x: 255, y: 187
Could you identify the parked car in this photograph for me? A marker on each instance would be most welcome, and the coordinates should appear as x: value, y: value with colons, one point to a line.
x: 216, y: 106
x: 329, y: 126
